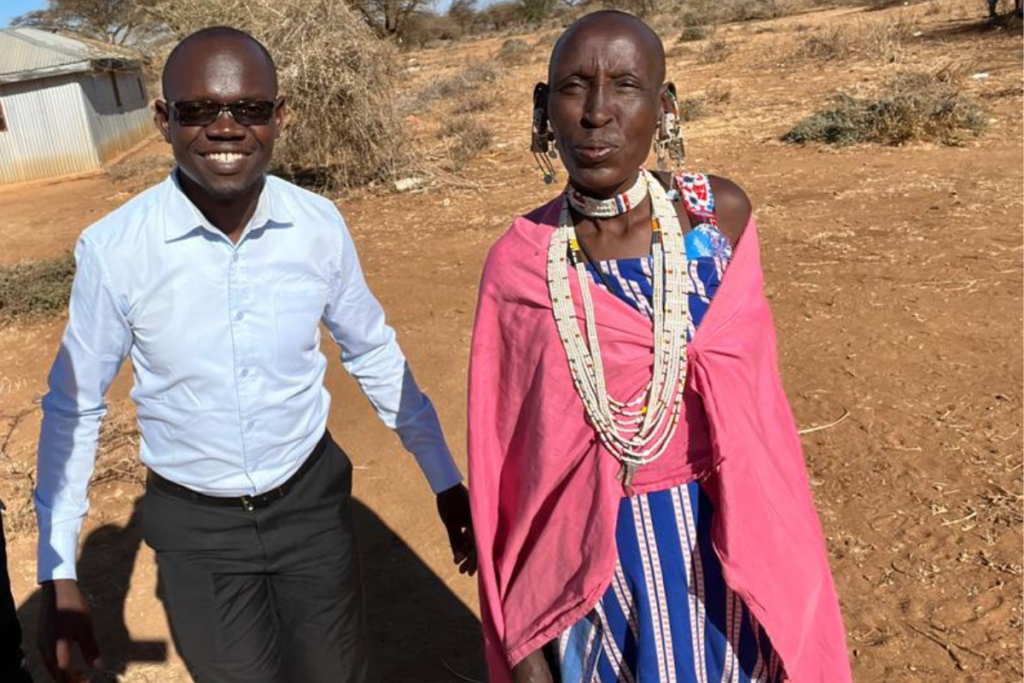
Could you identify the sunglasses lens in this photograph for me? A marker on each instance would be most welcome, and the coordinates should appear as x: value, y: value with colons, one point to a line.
x: 196, y: 113
x: 202, y: 113
x: 253, y: 113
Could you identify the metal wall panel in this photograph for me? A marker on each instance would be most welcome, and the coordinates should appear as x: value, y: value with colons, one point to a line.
x: 48, y: 132
x: 116, y: 127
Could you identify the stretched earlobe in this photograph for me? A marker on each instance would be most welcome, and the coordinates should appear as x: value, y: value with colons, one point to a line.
x: 668, y: 141
x: 542, y: 138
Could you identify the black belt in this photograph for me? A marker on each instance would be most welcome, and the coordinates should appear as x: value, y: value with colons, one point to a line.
x: 247, y: 503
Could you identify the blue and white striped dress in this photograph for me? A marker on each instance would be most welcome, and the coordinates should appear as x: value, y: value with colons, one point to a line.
x: 668, y: 616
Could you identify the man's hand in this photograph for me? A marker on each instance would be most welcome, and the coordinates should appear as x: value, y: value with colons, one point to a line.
x: 453, y: 507
x: 533, y: 669
x: 65, y: 621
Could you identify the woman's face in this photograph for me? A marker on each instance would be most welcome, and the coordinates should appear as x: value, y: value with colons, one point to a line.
x: 604, y: 103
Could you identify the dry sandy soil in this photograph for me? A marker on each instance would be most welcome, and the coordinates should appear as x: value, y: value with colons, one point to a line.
x: 895, y: 276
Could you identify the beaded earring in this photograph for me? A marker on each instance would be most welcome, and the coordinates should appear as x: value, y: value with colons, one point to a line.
x: 542, y: 139
x: 668, y: 143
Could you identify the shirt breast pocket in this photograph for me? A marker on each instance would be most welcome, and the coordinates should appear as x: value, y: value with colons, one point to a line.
x: 297, y: 321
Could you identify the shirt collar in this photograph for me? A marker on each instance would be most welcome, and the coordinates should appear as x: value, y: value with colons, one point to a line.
x: 182, y: 218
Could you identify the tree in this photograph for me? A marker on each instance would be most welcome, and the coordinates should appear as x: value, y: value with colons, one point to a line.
x: 536, y: 11
x: 118, y: 22
x: 463, y: 13
x: 388, y: 17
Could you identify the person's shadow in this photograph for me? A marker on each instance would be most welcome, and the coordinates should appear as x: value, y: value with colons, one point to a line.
x: 104, y: 574
x: 420, y: 631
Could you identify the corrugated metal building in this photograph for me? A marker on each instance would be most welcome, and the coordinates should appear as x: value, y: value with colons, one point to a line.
x: 67, y: 104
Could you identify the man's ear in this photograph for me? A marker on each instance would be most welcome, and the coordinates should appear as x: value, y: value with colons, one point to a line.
x: 162, y: 118
x: 281, y: 112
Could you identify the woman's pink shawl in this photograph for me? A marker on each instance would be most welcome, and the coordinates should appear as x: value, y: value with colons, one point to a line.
x: 544, y: 492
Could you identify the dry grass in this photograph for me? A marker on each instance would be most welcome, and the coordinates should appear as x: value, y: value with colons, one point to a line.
x: 913, y: 105
x: 141, y: 170
x: 36, y: 287
x: 117, y: 459
x: 717, y: 93
x: 460, y: 84
x: 474, y: 103
x: 692, y: 108
x: 693, y: 33
x: 466, y: 137
x: 882, y: 41
x: 704, y: 12
x: 340, y: 78
x: 714, y: 50
x: 702, y: 103
x: 514, y: 52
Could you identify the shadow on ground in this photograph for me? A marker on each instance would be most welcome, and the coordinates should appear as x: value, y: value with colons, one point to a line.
x: 419, y: 629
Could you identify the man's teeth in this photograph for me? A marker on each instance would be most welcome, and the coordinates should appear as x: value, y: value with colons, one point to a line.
x: 225, y: 157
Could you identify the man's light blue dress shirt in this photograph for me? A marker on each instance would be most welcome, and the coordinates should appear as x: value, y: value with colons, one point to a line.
x: 225, y: 347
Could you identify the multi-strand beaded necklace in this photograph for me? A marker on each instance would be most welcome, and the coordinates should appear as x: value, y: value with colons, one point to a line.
x: 638, y: 431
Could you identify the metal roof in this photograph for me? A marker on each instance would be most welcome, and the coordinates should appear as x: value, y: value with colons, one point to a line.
x: 27, y: 54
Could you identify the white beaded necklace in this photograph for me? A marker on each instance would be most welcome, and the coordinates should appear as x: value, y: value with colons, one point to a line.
x: 636, y: 432
x: 608, y: 208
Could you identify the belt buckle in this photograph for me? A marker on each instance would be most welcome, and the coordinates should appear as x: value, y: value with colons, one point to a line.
x: 247, y: 503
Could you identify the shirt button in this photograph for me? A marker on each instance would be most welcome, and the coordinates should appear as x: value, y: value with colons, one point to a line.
x: 250, y: 425
x: 239, y: 315
x: 235, y: 257
x: 245, y: 372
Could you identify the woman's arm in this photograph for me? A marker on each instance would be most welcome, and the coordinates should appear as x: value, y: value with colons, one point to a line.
x: 533, y: 669
x: 732, y: 207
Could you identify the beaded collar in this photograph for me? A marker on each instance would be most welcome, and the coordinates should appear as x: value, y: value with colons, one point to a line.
x: 609, y: 208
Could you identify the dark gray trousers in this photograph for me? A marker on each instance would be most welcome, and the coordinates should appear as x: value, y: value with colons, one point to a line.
x: 268, y: 596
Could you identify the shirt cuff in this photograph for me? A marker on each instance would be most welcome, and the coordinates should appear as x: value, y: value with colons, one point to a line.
x: 440, y: 469
x: 57, y: 551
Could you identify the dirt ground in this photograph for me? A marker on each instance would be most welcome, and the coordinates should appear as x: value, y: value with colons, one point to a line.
x: 895, y: 275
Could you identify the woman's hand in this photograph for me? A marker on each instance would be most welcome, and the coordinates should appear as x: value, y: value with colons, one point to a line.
x: 533, y: 669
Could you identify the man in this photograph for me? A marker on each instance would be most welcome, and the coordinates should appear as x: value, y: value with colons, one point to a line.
x: 215, y: 282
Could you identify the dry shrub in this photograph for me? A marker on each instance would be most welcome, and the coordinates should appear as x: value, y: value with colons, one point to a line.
x: 713, y: 51
x: 514, y: 52
x: 547, y: 39
x: 36, y: 287
x: 729, y: 11
x: 474, y: 103
x: 677, y: 51
x: 141, y: 170
x: 339, y: 78
x: 461, y: 83
x: 752, y: 10
x: 692, y: 108
x: 423, y: 29
x: 692, y: 33
x: 717, y: 93
x: 880, y: 40
x: 702, y: 103
x: 466, y: 138
x: 913, y: 105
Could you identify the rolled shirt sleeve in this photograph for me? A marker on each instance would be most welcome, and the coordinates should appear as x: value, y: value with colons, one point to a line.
x: 96, y: 341
x: 371, y: 354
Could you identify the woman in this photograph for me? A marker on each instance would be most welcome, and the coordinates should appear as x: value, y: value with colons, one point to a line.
x: 639, y: 497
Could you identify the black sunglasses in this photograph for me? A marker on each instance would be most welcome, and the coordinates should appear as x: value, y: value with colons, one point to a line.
x: 205, y: 112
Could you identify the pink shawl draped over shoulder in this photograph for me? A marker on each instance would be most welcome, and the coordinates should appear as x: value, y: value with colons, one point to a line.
x: 544, y: 492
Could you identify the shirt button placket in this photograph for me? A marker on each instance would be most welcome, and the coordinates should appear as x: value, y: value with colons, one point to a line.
x: 241, y: 299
